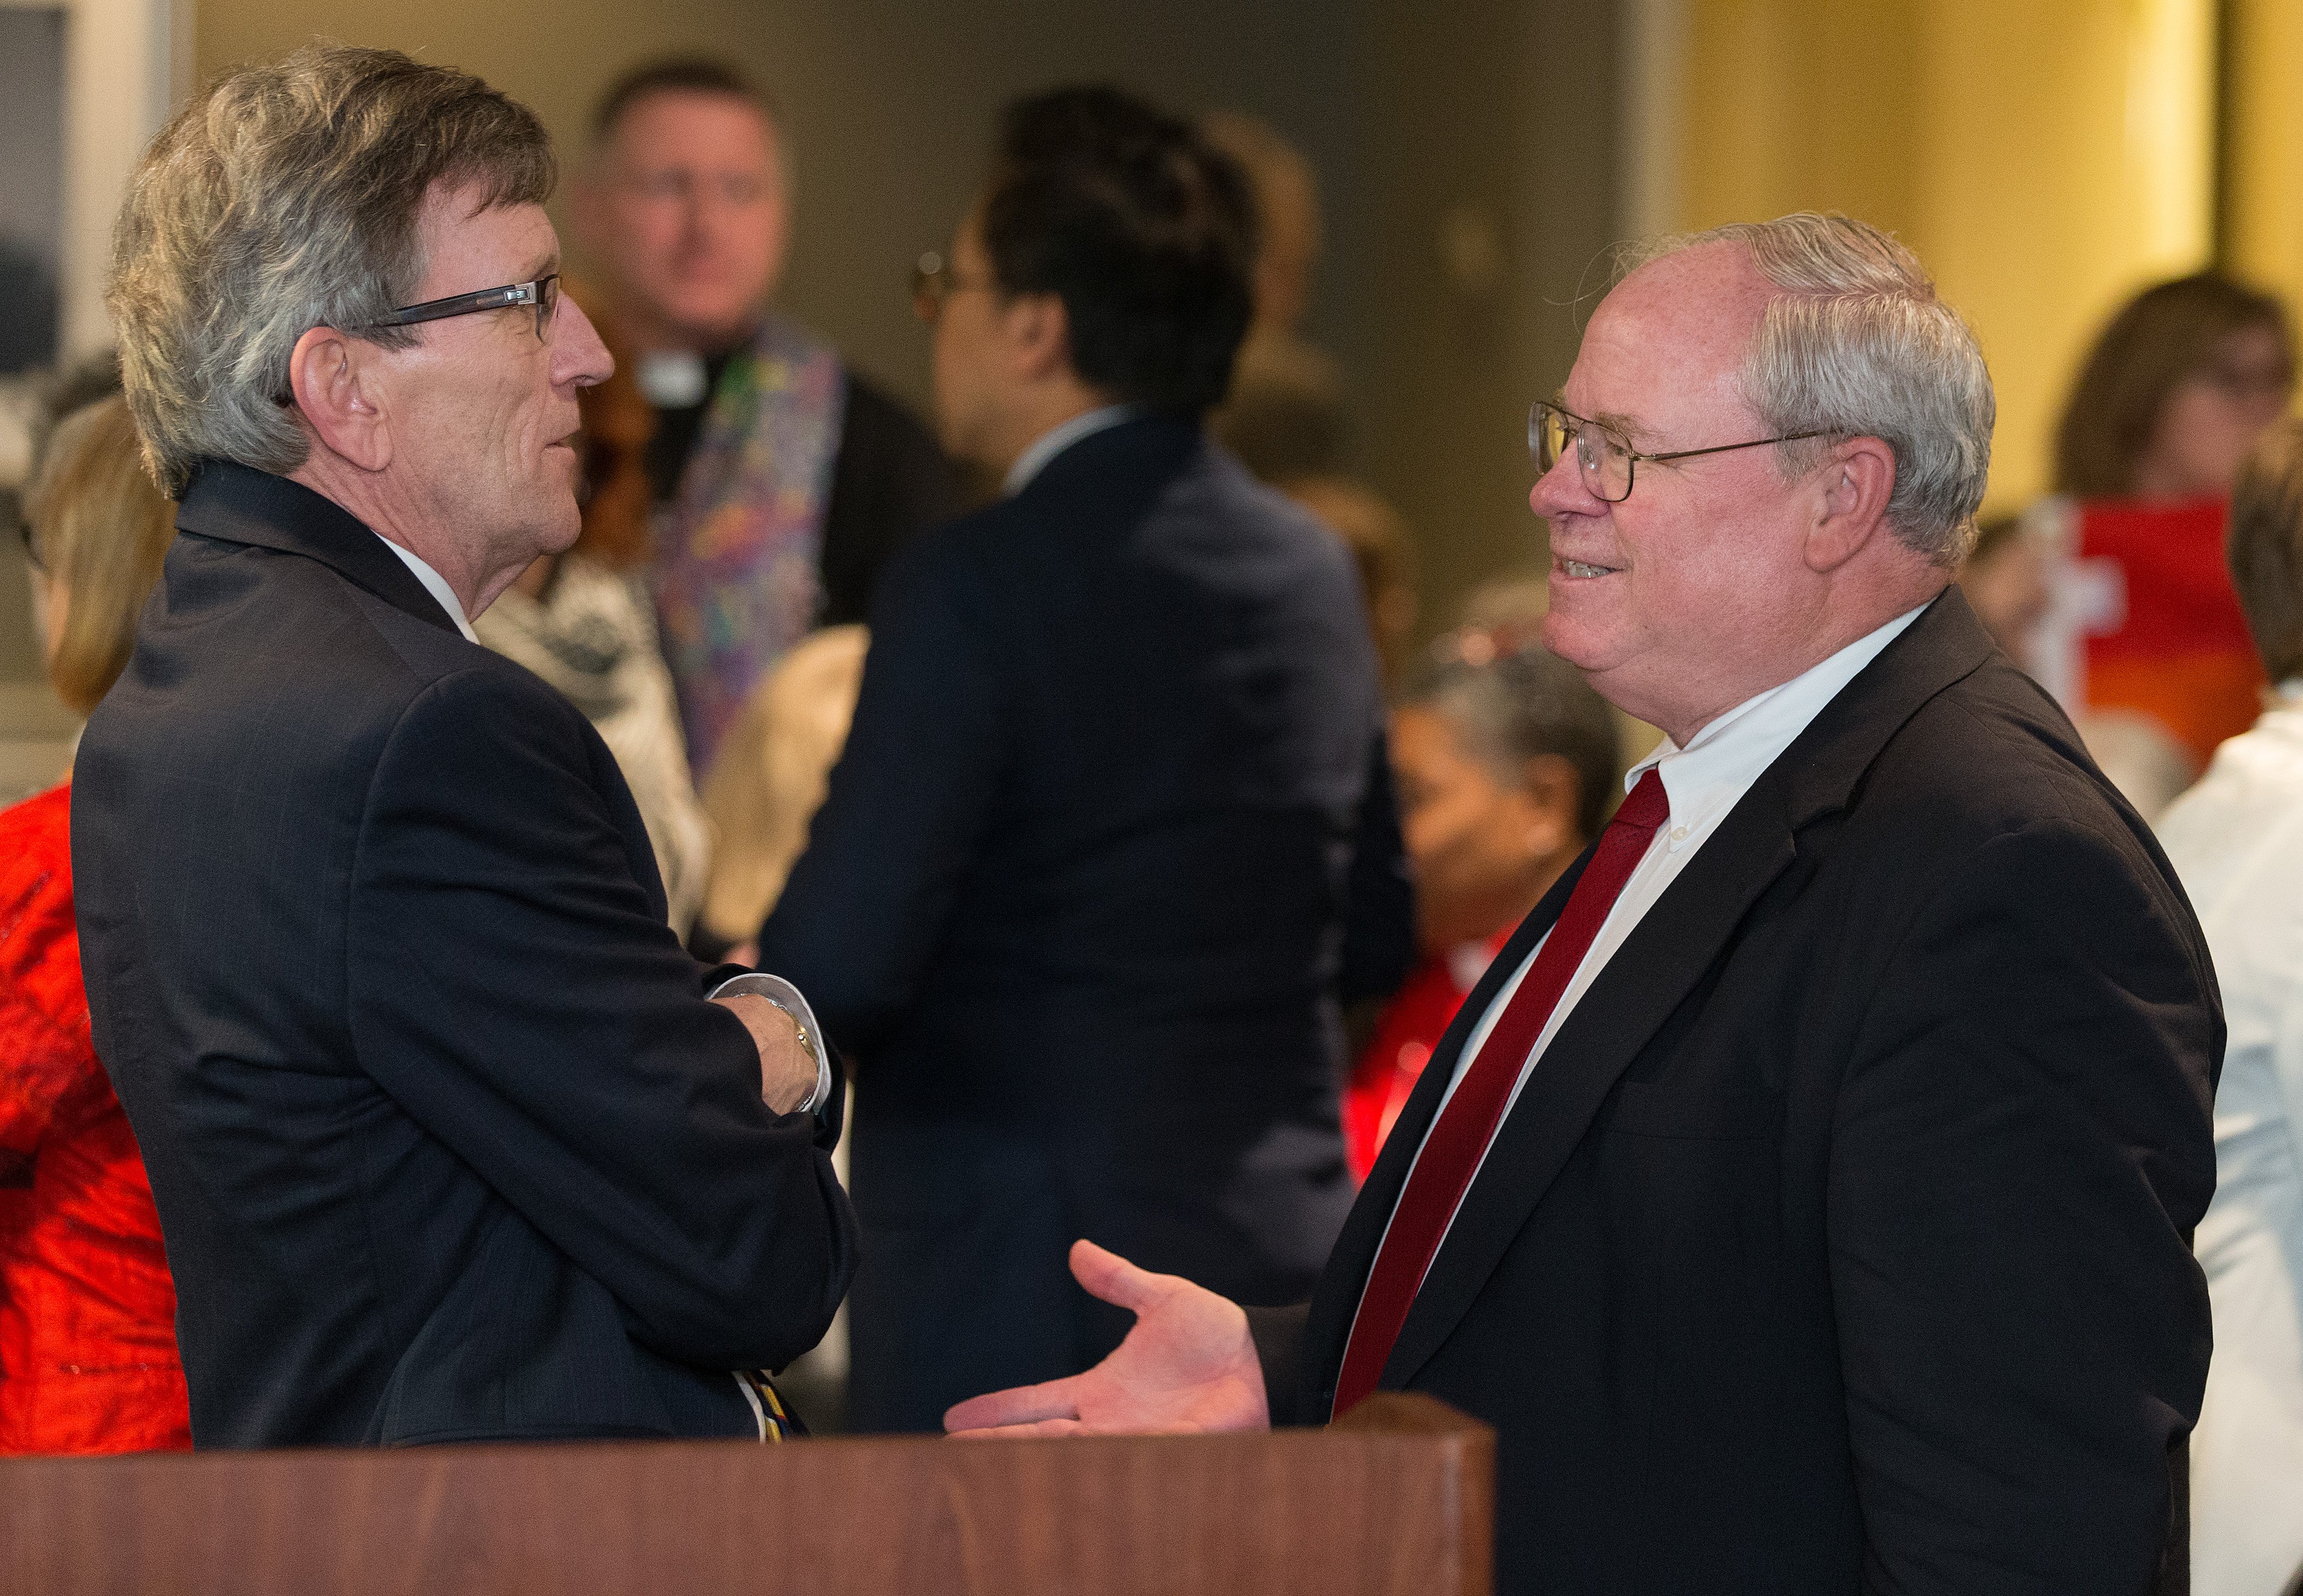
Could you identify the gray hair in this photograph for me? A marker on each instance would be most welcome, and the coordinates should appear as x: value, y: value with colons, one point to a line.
x: 1511, y: 701
x: 286, y: 198
x: 1859, y: 345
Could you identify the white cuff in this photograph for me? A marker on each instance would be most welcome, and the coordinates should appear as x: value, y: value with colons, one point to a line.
x: 787, y: 997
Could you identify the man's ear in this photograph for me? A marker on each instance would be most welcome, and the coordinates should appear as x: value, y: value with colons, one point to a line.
x: 339, y: 388
x: 1857, y: 482
x: 1039, y: 334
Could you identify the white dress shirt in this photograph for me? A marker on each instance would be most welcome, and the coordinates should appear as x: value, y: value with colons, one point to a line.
x: 1056, y: 439
x: 1703, y: 781
x: 434, y: 584
x: 2237, y: 842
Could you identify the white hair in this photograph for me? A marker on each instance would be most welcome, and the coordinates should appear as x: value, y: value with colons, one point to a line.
x: 1857, y: 344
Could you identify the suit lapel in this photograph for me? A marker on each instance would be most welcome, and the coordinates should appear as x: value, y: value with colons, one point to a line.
x: 1658, y: 965
x: 236, y: 504
x: 1337, y: 1298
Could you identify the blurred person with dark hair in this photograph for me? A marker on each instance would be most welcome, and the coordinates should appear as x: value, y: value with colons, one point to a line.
x: 783, y: 481
x: 452, y: 1140
x: 87, y: 1337
x: 2174, y: 391
x: 1506, y: 760
x: 2144, y: 643
x: 2236, y: 839
x: 1114, y: 786
x: 581, y: 621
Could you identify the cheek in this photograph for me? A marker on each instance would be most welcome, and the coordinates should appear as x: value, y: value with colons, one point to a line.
x: 1443, y: 838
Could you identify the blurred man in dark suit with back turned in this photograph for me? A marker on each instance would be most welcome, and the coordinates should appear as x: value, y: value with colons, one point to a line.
x: 451, y: 1139
x: 1805, y: 1192
x: 1076, y: 898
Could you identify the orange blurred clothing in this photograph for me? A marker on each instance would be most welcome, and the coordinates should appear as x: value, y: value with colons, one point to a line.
x: 1412, y: 1025
x: 2163, y: 632
x: 88, y: 1341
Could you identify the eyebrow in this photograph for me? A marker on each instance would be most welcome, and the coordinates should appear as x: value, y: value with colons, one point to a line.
x: 1632, y: 429
x: 544, y: 268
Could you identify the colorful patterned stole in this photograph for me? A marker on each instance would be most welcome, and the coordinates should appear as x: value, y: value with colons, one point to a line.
x: 736, y: 575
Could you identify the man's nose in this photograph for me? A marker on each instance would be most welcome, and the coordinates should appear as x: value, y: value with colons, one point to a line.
x: 1561, y: 491
x: 578, y: 354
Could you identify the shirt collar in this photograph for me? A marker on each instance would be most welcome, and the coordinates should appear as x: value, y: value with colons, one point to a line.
x: 1733, y: 750
x: 1056, y: 439
x: 434, y: 584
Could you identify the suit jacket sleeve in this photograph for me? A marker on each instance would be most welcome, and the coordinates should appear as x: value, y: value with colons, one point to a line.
x: 1278, y: 1337
x: 516, y: 991
x: 2022, y: 1150
x: 904, y: 814
x: 1379, y: 916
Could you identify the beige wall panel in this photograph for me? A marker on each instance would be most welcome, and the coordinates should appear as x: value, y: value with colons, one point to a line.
x: 2045, y: 161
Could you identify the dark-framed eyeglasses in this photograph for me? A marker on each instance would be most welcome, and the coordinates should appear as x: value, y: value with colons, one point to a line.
x: 1605, y: 458
x: 934, y: 280
x: 543, y: 293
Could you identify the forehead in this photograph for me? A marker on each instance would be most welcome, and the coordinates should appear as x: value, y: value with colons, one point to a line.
x: 695, y: 126
x: 461, y: 239
x: 1664, y: 350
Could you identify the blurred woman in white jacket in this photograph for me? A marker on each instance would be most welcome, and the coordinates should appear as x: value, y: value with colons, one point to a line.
x: 2237, y: 841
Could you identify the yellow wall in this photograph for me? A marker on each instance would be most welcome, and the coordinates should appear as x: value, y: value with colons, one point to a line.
x: 2044, y: 161
x: 2263, y: 236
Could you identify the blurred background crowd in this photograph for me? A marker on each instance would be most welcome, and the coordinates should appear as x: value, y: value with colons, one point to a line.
x: 761, y: 202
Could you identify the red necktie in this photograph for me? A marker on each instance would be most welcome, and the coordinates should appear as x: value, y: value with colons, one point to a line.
x: 1443, y: 1169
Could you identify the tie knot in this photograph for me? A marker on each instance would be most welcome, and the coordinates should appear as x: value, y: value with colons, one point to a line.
x: 1647, y: 806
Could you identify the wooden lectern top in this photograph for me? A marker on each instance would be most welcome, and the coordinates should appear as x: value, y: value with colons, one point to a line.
x: 1399, y: 1497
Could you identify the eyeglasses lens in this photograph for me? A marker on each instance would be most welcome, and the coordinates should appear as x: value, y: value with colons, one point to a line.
x: 931, y: 282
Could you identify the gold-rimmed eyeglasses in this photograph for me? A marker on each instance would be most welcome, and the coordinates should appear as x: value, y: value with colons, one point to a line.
x: 1605, y: 458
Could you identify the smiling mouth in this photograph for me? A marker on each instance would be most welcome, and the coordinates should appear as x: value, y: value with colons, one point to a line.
x: 1580, y: 570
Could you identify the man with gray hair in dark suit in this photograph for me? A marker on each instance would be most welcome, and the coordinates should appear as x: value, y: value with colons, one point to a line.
x: 451, y: 1141
x: 1805, y: 1192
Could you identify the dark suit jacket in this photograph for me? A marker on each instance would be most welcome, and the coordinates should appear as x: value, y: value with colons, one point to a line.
x: 1075, y: 902
x: 446, y: 1145
x: 1840, y: 1241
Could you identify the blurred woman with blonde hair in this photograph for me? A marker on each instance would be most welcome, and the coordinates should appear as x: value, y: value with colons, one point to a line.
x: 88, y: 1344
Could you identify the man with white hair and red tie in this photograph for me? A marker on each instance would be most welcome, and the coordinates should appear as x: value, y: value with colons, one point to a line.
x: 1804, y: 1194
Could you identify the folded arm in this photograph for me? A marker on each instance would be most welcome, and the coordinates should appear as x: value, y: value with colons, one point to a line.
x: 516, y: 993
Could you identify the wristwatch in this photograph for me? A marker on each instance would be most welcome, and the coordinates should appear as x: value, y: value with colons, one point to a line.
x: 786, y: 996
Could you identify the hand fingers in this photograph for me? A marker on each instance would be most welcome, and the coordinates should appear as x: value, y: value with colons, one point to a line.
x: 1039, y: 1431
x: 1018, y: 1405
x: 1112, y: 1278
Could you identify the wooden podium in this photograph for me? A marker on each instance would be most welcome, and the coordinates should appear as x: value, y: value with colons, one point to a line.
x: 1399, y: 1498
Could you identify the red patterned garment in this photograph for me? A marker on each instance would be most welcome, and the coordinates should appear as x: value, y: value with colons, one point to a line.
x: 88, y: 1343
